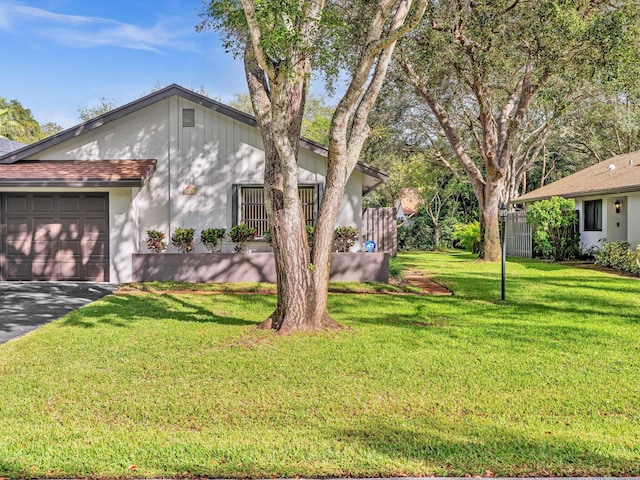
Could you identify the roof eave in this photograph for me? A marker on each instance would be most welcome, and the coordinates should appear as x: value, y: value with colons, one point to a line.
x: 588, y: 193
x: 48, y: 183
x: 155, y: 97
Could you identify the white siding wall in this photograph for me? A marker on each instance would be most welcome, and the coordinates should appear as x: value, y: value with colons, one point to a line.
x: 212, y: 156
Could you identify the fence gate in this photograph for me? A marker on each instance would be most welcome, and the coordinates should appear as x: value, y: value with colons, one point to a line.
x: 380, y: 225
x: 519, y: 235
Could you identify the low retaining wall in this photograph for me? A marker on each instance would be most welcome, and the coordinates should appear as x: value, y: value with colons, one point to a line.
x: 249, y: 267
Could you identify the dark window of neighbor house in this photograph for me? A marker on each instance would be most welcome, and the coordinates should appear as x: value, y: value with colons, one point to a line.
x: 592, y: 214
x: 188, y: 117
x: 251, y: 209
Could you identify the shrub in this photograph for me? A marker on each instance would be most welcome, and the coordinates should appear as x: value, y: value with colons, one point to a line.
x: 555, y: 224
x: 155, y: 241
x: 345, y: 237
x: 240, y: 235
x: 211, y: 237
x: 419, y: 236
x: 468, y: 235
x: 618, y: 255
x: 182, y: 239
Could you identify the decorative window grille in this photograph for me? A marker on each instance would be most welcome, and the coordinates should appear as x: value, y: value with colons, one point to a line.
x: 253, y: 213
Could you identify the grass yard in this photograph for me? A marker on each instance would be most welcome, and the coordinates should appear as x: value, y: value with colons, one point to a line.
x: 181, y: 384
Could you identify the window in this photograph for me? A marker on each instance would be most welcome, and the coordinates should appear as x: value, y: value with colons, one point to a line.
x: 188, y: 117
x: 251, y: 209
x: 592, y: 215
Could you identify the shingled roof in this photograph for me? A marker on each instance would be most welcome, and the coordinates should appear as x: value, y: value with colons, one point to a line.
x: 620, y: 174
x: 77, y: 173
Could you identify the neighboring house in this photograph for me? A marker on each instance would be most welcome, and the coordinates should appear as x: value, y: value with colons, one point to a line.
x: 77, y: 205
x: 407, y: 206
x: 607, y: 196
x: 7, y: 146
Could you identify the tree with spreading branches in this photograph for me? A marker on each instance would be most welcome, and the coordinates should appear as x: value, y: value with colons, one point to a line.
x: 284, y: 43
x: 497, y: 75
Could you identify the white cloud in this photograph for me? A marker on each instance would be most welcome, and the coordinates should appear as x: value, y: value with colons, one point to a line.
x: 86, y: 31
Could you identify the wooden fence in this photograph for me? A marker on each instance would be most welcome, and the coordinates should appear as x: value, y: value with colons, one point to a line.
x: 519, y: 235
x: 380, y: 225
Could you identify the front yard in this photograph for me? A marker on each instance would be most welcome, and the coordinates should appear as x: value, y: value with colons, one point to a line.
x: 182, y: 384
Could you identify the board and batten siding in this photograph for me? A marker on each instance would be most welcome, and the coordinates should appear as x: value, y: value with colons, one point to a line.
x: 216, y: 154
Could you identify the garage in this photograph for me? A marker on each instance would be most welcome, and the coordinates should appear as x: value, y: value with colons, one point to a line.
x: 54, y: 236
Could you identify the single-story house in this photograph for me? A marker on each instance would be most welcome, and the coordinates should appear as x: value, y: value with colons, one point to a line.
x: 407, y: 206
x: 607, y: 196
x: 77, y: 205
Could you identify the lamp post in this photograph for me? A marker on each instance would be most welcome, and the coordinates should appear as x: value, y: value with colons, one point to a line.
x: 502, y: 217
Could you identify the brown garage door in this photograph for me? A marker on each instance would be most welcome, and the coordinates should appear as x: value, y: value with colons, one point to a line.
x: 55, y: 236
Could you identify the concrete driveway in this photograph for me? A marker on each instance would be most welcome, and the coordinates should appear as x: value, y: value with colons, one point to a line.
x: 27, y: 306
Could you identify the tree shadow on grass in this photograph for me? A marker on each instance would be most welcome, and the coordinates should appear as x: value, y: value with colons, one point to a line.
x: 122, y: 310
x: 522, y: 326
x: 476, y: 450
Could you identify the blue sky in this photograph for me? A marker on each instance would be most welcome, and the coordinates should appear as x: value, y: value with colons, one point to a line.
x: 60, y: 55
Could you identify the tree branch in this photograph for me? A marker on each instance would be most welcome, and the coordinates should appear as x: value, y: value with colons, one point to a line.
x: 475, y: 176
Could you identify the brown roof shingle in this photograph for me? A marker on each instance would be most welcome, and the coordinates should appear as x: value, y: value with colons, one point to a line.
x: 77, y: 173
x: 618, y: 174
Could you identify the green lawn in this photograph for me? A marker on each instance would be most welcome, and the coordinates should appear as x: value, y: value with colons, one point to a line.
x: 151, y: 385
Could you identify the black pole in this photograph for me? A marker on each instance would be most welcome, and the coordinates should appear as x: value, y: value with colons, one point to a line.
x: 504, y: 258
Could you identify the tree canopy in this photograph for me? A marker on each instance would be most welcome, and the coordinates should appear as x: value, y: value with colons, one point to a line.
x: 17, y: 123
x: 498, y: 75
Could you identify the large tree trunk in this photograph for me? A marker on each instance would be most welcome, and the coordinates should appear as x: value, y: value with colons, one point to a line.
x: 490, y: 231
x: 278, y: 89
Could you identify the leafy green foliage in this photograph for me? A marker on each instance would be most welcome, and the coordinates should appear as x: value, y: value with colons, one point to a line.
x: 345, y: 237
x: 182, y: 239
x: 618, y: 255
x: 241, y: 234
x: 211, y: 238
x: 417, y: 236
x: 17, y: 123
x: 468, y: 235
x: 155, y: 241
x: 555, y: 224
